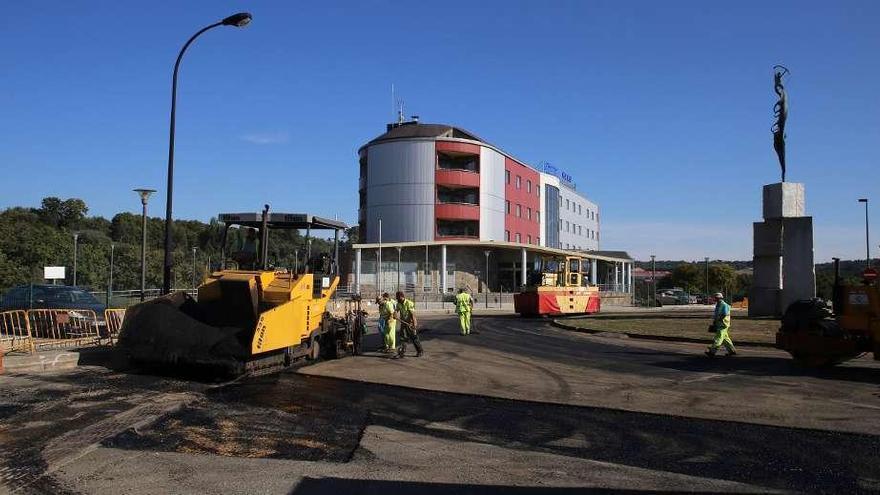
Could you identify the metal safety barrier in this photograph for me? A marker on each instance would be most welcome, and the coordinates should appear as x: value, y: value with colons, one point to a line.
x: 113, y: 319
x: 15, y: 332
x: 63, y: 327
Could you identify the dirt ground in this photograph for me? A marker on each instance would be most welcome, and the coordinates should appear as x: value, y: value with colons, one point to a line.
x: 743, y: 329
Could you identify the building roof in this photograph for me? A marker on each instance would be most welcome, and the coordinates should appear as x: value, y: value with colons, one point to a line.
x: 597, y: 255
x: 618, y: 255
x: 419, y: 130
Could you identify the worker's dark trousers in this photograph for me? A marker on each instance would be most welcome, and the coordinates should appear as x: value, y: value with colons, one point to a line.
x: 411, y: 335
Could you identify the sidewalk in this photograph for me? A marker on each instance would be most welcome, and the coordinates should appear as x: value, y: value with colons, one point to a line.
x: 55, y: 360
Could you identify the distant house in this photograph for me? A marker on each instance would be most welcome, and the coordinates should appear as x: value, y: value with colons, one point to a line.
x: 643, y: 275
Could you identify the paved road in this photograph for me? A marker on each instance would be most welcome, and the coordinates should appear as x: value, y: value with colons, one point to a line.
x: 519, y: 407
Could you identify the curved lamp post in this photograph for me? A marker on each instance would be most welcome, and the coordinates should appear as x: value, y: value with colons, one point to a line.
x: 238, y: 20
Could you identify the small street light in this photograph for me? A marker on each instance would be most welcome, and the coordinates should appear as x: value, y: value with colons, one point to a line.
x: 654, y: 280
x: 110, y: 281
x: 144, y: 195
x: 487, y: 253
x: 75, y: 249
x: 240, y: 19
x: 867, y: 239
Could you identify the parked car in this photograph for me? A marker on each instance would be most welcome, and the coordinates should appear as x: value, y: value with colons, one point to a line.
x: 673, y: 296
x: 50, y: 297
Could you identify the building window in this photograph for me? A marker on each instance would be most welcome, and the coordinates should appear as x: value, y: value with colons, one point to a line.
x: 507, y: 235
x: 518, y: 211
x: 538, y: 240
x: 567, y: 226
x: 458, y: 228
x: 529, y: 213
x: 529, y: 238
x: 580, y: 230
x: 469, y: 163
x: 460, y: 195
x: 579, y: 210
x: 529, y: 187
x: 507, y: 206
x: 567, y: 205
x: 538, y: 216
x: 507, y: 176
x: 593, y: 215
x: 518, y: 182
x: 518, y: 238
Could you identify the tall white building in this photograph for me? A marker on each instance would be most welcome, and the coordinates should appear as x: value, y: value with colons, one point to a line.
x: 570, y: 221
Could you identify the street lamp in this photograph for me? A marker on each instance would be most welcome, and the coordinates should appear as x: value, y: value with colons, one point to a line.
x: 398, y: 267
x: 707, y: 279
x: 238, y: 20
x: 194, y: 269
x: 75, y: 249
x: 654, y: 279
x: 487, y: 253
x: 867, y: 241
x: 110, y: 282
x: 145, y: 195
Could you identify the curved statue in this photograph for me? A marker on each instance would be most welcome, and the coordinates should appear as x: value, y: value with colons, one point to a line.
x: 780, y: 111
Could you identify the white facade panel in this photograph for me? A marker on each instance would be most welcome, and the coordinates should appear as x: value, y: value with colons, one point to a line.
x: 491, y: 195
x: 578, y: 221
x: 400, y: 182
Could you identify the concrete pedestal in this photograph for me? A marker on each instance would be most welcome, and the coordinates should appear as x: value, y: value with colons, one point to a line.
x: 783, y: 252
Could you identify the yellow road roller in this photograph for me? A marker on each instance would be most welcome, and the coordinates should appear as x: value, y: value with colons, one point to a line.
x: 248, y: 318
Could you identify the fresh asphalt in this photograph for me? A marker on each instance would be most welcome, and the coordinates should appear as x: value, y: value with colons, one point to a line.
x: 519, y: 406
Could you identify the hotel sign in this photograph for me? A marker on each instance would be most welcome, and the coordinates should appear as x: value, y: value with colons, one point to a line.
x: 561, y: 174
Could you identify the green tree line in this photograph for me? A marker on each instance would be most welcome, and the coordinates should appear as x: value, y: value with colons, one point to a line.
x: 32, y: 238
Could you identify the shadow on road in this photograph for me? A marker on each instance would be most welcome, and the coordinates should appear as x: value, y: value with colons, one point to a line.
x: 294, y: 416
x: 769, y: 366
x: 335, y: 486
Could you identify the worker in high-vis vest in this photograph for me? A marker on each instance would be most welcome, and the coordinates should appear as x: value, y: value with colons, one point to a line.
x: 406, y: 313
x: 463, y: 305
x: 386, y: 311
x: 721, y: 324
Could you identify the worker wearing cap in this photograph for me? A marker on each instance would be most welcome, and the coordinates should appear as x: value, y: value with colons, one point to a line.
x: 721, y: 323
x: 407, y: 317
x: 463, y: 305
x: 386, y: 311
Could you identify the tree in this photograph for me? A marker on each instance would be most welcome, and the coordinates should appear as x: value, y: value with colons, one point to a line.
x: 722, y: 278
x: 688, y: 276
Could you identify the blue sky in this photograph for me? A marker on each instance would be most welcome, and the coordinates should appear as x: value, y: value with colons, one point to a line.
x: 660, y: 110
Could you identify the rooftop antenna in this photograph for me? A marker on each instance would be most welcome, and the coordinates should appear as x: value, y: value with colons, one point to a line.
x: 400, y: 114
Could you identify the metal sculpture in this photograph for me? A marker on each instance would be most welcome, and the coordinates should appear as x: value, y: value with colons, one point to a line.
x: 780, y: 111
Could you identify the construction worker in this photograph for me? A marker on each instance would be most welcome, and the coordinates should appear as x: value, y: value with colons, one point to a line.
x: 463, y: 306
x: 407, y: 318
x: 386, y: 311
x: 721, y: 323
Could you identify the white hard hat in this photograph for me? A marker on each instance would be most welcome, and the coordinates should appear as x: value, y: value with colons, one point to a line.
x: 719, y: 295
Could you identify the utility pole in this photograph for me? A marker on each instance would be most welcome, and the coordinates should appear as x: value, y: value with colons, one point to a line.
x: 653, y: 280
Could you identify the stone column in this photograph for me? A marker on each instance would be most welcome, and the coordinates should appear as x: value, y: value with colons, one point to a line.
x: 443, y: 268
x: 629, y: 277
x: 523, y: 274
x: 357, y: 271
x: 783, y: 252
x: 616, y: 276
x: 594, y: 269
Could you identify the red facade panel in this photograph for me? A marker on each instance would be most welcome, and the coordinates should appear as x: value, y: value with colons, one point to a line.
x: 456, y: 147
x: 457, y: 178
x: 522, y: 185
x: 457, y: 212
